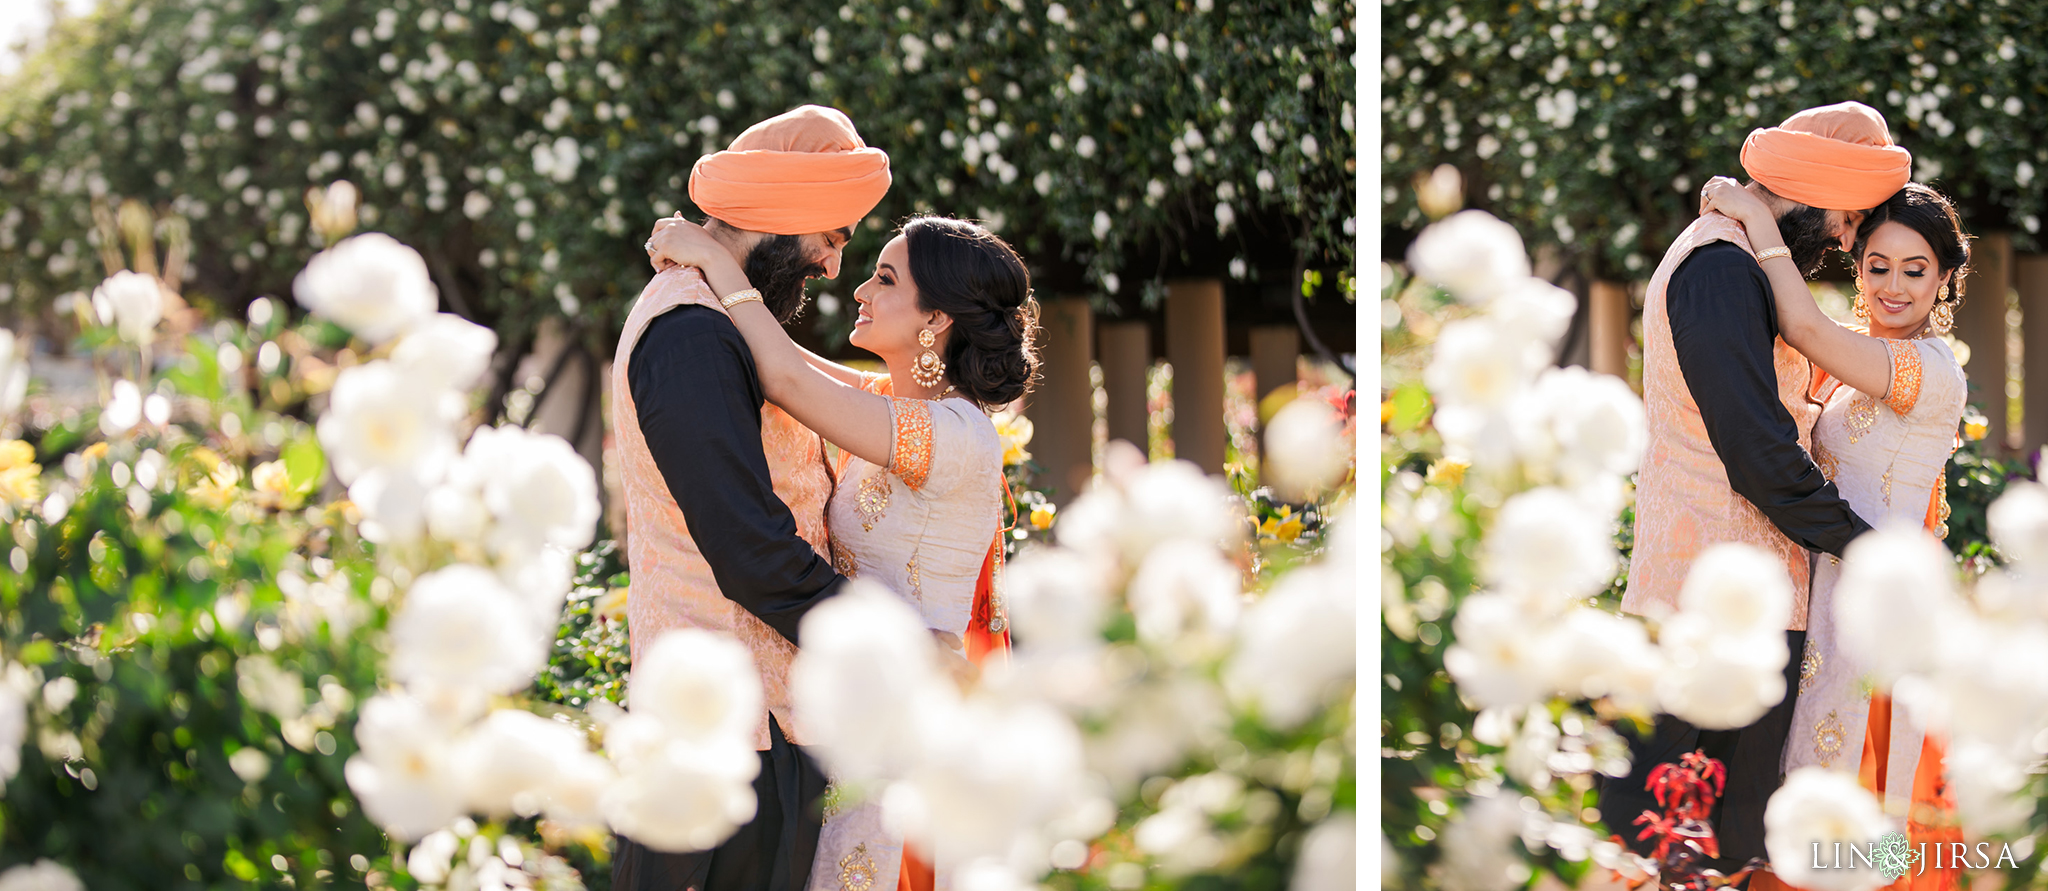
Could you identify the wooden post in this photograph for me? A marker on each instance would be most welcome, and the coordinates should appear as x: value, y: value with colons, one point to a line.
x: 1194, y: 344
x: 1980, y: 323
x: 1607, y: 327
x: 2030, y: 278
x: 1275, y: 349
x: 1062, y: 409
x: 1125, y: 354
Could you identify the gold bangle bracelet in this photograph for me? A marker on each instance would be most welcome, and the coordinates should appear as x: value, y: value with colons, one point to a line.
x: 1769, y: 253
x: 739, y: 297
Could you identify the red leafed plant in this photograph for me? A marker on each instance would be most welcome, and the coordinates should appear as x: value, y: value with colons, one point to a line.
x: 1684, y: 832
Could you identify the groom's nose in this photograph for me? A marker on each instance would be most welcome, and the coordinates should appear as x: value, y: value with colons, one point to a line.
x: 831, y: 261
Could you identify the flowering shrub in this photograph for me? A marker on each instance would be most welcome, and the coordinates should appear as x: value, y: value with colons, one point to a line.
x: 523, y: 146
x: 1592, y: 125
x: 1503, y: 481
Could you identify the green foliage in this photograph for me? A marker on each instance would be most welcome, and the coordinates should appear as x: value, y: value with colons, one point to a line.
x: 523, y: 148
x: 590, y: 658
x: 1976, y: 479
x: 1591, y: 125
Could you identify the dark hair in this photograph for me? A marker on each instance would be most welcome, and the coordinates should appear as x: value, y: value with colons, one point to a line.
x: 966, y: 272
x: 1922, y: 209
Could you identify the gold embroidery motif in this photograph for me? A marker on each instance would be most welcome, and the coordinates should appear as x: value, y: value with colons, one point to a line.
x: 1941, y: 505
x: 1828, y: 738
x: 857, y: 870
x: 1887, y: 488
x: 998, y: 617
x: 844, y: 561
x: 912, y: 459
x: 833, y: 802
x: 1809, y: 666
x: 1862, y: 416
x: 871, y: 499
x: 1905, y: 387
x: 916, y: 580
x: 1825, y: 460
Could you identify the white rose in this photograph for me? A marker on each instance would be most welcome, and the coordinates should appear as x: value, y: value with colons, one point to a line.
x: 575, y: 790
x: 703, y: 687
x: 538, y: 489
x: 1580, y: 426
x: 1472, y: 254
x: 1986, y: 784
x: 123, y: 410
x: 131, y: 302
x: 1329, y: 856
x: 541, y: 578
x: 42, y: 875
x: 393, y: 502
x: 379, y: 416
x: 1718, y: 681
x: 13, y: 372
x: 1739, y: 589
x: 1296, y: 645
x: 1896, y: 598
x: 406, y: 776
x: 1549, y: 543
x: 1992, y: 684
x: 2019, y: 523
x: 1501, y: 655
x: 1602, y: 654
x: 1174, y: 501
x: 1481, y: 364
x: 369, y: 284
x: 677, y: 797
x: 989, y: 778
x: 1149, y: 727
x: 510, y: 759
x: 448, y: 350
x: 460, y: 627
x: 866, y: 681
x: 1184, y: 589
x: 456, y: 514
x: 1306, y: 450
x: 1480, y: 847
x: 1056, y: 598
x: 1819, y: 806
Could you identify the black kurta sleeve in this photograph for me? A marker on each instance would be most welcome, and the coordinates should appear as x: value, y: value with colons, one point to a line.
x: 1723, y: 325
x: 699, y: 401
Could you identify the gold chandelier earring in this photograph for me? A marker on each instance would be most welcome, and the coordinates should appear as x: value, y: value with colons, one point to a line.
x: 1942, y: 317
x: 1861, y: 309
x: 929, y: 369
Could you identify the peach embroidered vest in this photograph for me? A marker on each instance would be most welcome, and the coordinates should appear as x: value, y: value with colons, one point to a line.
x: 1683, y: 502
x: 672, y: 585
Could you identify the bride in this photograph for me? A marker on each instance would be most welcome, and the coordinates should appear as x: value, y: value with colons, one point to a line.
x: 1893, y: 395
x: 919, y: 493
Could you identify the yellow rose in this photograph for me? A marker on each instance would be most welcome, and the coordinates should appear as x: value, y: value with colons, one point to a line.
x: 1015, y: 432
x: 1042, y: 515
x: 15, y: 453
x: 21, y: 484
x: 1447, y: 472
x: 612, y: 605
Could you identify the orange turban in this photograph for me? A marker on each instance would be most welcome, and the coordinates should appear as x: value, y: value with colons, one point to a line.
x: 800, y: 172
x: 1835, y: 157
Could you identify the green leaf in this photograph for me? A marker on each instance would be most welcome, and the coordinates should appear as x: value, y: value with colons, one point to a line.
x: 40, y: 652
x: 304, y: 464
x: 1411, y: 407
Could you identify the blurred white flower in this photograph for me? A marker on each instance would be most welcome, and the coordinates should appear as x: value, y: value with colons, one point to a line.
x: 1602, y: 654
x: 866, y: 682
x: 1548, y: 543
x: 674, y: 796
x: 510, y: 759
x: 13, y: 372
x: 447, y: 351
x: 1991, y: 684
x: 538, y: 489
x: 1740, y: 590
x: 576, y: 787
x: 406, y: 776
x: 1896, y: 600
x: 1536, y: 309
x: 1136, y: 509
x: 541, y: 577
x: 429, y: 860
x: 269, y: 687
x: 1819, y: 806
x: 1329, y: 856
x: 42, y: 875
x: 13, y: 730
x: 456, y: 514
x: 394, y: 505
x: 1296, y: 644
x: 1472, y: 254
x: 2019, y: 523
x: 249, y: 763
x: 1479, y: 372
x: 1986, y: 785
x: 1306, y: 449
x: 1718, y: 681
x: 1480, y: 847
x: 1578, y: 426
x: 1149, y: 727
x: 1502, y: 655
x: 370, y: 284
x: 381, y: 417
x: 1529, y: 753
x: 459, y: 627
x: 123, y: 411
x: 133, y: 303
x: 1184, y: 590
x: 1056, y: 598
x: 703, y: 687
x: 993, y: 774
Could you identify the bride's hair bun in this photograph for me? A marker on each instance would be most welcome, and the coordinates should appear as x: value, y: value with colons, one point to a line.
x: 966, y: 272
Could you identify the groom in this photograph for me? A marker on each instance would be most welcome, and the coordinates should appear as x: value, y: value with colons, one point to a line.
x: 1729, y: 429
x: 725, y: 495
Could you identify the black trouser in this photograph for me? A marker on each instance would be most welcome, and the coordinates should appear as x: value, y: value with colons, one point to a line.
x: 771, y: 853
x: 1751, y: 755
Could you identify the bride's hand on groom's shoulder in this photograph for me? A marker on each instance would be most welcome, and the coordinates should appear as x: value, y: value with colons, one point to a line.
x: 679, y: 242
x: 1727, y: 196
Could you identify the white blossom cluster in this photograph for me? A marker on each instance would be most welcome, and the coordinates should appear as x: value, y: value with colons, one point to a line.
x: 485, y: 533
x: 1019, y: 773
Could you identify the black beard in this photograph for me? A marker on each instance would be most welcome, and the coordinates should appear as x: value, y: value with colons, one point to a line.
x: 1805, y: 230
x: 775, y: 266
